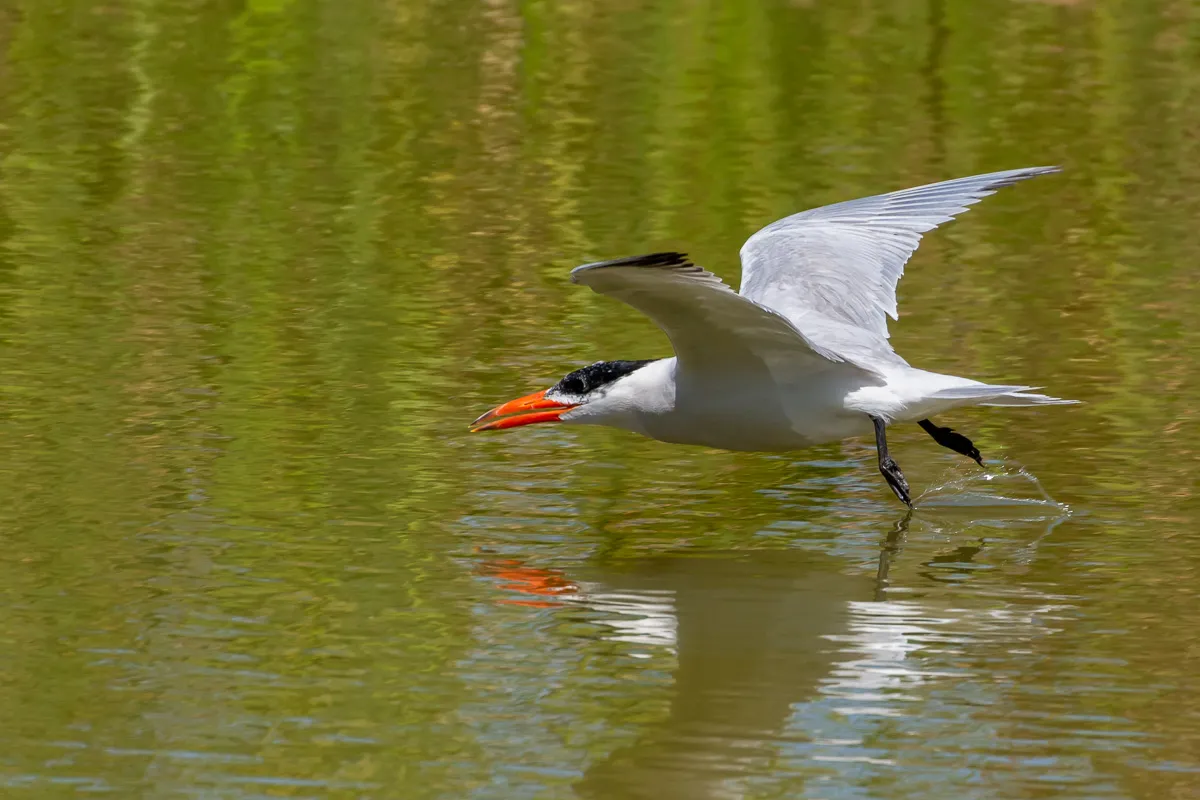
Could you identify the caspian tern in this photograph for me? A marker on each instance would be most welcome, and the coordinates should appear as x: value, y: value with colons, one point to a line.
x: 798, y: 357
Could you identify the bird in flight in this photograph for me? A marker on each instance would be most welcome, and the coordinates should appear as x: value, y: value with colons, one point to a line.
x: 799, y: 356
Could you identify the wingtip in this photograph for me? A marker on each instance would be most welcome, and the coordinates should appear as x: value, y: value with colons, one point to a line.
x: 669, y: 258
x: 1009, y: 177
x: 1049, y: 169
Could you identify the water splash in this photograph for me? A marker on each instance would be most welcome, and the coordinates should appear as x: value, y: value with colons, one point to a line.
x: 1002, y: 486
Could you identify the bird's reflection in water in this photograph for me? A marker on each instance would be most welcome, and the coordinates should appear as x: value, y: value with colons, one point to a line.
x: 750, y: 638
x: 887, y: 551
x: 757, y: 635
x: 752, y: 635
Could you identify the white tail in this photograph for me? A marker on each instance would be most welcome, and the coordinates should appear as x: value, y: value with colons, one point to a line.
x: 1028, y: 399
x: 993, y: 395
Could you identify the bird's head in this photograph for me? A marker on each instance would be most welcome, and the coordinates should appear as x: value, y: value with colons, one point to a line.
x: 585, y: 389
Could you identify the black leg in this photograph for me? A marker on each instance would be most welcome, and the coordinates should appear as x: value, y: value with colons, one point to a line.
x: 948, y: 437
x: 889, y: 468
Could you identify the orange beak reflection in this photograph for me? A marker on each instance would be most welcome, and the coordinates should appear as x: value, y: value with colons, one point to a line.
x: 523, y: 411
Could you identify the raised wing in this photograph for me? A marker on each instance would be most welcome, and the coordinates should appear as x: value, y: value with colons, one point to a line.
x: 842, y: 262
x: 713, y: 329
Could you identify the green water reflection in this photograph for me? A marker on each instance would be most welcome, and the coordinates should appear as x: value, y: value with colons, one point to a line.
x: 262, y: 262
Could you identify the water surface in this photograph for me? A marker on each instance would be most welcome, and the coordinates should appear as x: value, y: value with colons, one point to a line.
x: 262, y: 262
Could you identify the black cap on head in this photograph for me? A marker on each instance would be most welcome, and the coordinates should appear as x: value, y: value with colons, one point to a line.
x: 588, y: 379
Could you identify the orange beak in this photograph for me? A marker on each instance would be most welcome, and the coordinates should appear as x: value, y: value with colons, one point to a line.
x: 523, y: 411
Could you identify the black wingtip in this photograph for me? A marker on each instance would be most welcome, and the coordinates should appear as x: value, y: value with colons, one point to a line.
x: 1017, y: 175
x: 667, y: 259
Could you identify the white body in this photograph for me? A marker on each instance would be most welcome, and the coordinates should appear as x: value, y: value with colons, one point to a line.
x: 801, y: 355
x: 745, y: 412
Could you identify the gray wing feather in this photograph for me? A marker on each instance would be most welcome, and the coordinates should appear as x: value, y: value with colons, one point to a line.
x: 838, y: 265
x: 706, y: 321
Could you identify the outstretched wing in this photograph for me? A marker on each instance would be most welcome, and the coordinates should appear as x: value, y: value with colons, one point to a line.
x: 838, y: 266
x: 713, y: 329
